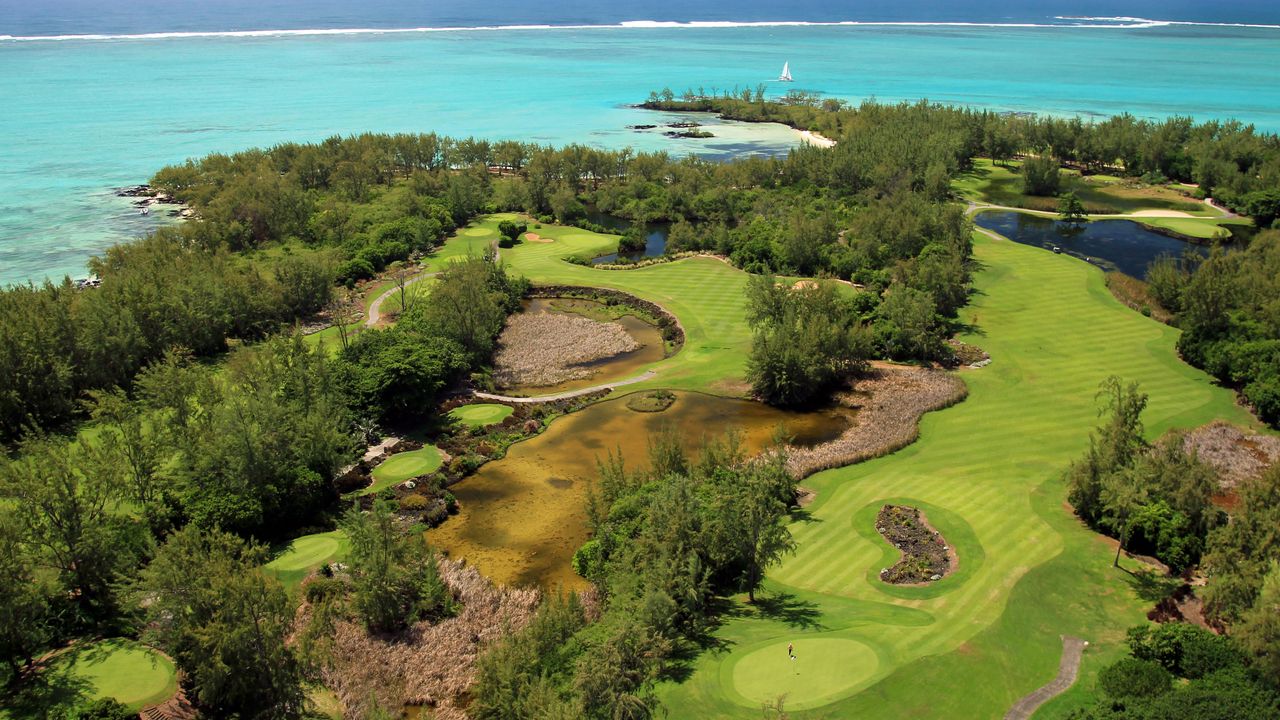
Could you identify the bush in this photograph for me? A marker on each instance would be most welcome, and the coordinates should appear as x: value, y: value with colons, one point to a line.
x: 323, y: 588
x: 633, y: 240
x: 1132, y: 677
x: 414, y: 503
x: 100, y: 709
x: 353, y: 271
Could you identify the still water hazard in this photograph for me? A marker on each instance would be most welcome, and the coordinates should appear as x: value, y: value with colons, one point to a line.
x: 522, y: 517
x: 1122, y: 245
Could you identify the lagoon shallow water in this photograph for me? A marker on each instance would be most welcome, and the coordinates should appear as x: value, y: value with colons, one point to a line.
x: 84, y: 116
x: 522, y: 517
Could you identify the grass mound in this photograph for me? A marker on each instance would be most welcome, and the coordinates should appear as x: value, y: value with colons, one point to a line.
x: 481, y: 414
x: 405, y: 465
x: 651, y: 402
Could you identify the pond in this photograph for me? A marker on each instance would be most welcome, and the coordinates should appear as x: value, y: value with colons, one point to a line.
x: 1122, y: 245
x: 655, y: 241
x: 522, y: 517
x: 651, y: 350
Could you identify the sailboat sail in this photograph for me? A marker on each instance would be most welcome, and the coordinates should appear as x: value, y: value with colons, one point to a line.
x: 786, y: 72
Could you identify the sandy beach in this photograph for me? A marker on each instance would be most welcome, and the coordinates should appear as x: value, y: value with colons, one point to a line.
x: 814, y: 138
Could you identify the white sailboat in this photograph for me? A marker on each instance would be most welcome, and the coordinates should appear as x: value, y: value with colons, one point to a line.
x: 786, y: 73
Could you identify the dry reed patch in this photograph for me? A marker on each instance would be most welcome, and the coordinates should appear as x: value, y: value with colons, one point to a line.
x: 430, y: 665
x: 890, y: 401
x: 1235, y: 454
x: 542, y: 349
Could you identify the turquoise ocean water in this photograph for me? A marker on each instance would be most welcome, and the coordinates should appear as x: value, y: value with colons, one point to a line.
x: 81, y: 117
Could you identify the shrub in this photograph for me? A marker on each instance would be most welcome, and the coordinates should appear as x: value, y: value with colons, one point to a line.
x: 323, y: 588
x: 100, y: 709
x: 353, y: 270
x: 414, y: 503
x: 1132, y: 677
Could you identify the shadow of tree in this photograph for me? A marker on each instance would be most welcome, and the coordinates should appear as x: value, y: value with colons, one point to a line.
x: 41, y: 692
x: 1150, y: 586
x: 787, y: 608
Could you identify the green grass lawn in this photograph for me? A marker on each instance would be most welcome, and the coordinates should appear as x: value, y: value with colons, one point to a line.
x: 299, y: 557
x: 122, y: 669
x: 402, y: 466
x: 481, y: 414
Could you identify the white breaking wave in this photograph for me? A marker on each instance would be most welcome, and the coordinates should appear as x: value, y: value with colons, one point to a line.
x: 1146, y: 22
x: 1071, y: 22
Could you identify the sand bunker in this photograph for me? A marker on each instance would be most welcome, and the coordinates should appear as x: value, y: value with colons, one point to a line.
x: 536, y: 238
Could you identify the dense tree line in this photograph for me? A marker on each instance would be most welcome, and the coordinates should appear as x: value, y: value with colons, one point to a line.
x: 58, y: 343
x: 1226, y: 307
x: 666, y: 542
x: 1230, y: 161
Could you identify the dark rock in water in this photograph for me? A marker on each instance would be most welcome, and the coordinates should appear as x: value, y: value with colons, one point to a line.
x: 693, y: 134
x: 641, y: 127
x: 135, y: 191
x: 684, y: 125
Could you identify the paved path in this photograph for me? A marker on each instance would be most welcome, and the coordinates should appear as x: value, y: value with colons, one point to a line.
x: 569, y: 394
x: 375, y: 307
x: 1072, y: 648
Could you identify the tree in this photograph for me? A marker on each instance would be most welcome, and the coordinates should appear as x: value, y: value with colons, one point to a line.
x: 1259, y: 627
x: 511, y: 232
x: 1070, y: 209
x: 1040, y: 175
x: 63, y: 505
x: 1240, y: 552
x: 1122, y: 497
x: 759, y: 507
x: 224, y: 622
x: 125, y: 441
x: 394, y: 573
x: 25, y: 607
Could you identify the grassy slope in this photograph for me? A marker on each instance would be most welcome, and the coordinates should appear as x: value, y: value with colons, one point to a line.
x: 971, y: 645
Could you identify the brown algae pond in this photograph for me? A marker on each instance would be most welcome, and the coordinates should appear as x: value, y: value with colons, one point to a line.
x: 522, y: 517
x: 651, y: 350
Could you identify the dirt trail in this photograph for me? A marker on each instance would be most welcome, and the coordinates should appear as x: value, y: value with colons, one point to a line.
x: 1072, y: 649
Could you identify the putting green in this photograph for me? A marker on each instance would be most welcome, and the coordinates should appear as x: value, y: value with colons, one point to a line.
x: 824, y: 670
x: 296, y: 560
x: 127, y: 671
x: 405, y: 465
x: 481, y: 414
x: 305, y: 552
x: 477, y: 232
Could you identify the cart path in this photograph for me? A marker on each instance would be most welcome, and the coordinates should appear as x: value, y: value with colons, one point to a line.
x: 1072, y: 649
x: 375, y: 307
